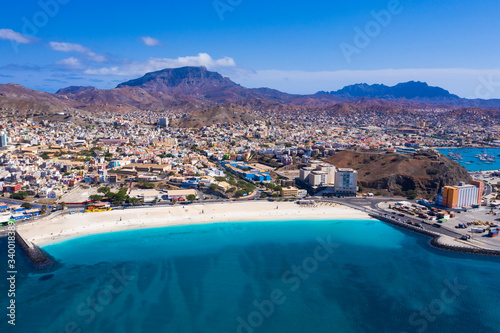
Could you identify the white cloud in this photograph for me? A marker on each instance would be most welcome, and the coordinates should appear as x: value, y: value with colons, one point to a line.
x: 97, y: 57
x: 9, y: 34
x: 71, y: 47
x: 68, y: 47
x: 72, y: 63
x: 150, y: 41
x: 155, y: 64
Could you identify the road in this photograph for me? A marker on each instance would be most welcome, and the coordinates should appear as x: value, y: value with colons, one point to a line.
x: 371, y: 205
x: 488, y: 189
x: 20, y: 202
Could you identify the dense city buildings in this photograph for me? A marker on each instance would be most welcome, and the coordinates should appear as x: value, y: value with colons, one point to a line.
x: 50, y: 158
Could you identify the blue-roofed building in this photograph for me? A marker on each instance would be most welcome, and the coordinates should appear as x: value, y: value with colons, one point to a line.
x: 247, y: 171
x: 191, y: 182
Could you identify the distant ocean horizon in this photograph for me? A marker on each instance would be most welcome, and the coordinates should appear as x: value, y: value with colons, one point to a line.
x: 469, y: 160
x: 277, y: 276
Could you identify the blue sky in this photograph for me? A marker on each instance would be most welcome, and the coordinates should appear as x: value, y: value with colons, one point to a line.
x: 294, y: 46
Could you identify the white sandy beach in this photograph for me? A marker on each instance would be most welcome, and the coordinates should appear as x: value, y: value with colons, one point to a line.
x: 57, y: 228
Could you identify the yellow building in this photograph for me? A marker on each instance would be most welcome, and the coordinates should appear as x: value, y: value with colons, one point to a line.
x: 289, y: 192
x: 450, y: 196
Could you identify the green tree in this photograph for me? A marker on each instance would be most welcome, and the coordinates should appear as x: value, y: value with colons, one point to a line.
x: 239, y: 193
x: 27, y: 205
x: 104, y: 190
x: 191, y: 197
x: 21, y: 195
x: 263, y: 195
x: 95, y: 197
x: 119, y: 197
x: 134, y: 201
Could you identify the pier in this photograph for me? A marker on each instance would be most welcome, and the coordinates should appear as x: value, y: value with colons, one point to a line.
x: 33, y: 252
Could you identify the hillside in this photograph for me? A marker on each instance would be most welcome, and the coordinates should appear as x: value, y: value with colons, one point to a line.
x: 423, y: 174
x: 226, y: 114
x: 191, y: 89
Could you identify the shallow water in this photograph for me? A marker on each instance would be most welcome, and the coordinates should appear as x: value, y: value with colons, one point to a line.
x: 300, y: 276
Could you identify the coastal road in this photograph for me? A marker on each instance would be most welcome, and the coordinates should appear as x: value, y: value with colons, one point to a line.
x: 371, y: 205
x: 488, y: 189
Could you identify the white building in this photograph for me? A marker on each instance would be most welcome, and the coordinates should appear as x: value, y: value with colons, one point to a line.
x: 318, y: 174
x: 346, y: 182
x: 146, y: 195
x: 467, y: 195
x: 318, y: 178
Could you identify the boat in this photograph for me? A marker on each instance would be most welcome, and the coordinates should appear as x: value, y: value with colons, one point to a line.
x: 485, y: 157
x: 455, y: 156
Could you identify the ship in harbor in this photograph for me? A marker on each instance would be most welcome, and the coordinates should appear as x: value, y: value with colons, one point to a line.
x: 455, y: 156
x: 486, y: 158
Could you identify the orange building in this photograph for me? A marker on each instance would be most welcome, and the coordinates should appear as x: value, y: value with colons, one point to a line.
x: 450, y: 196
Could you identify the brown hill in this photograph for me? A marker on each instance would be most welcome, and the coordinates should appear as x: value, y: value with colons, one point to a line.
x: 198, y: 82
x: 226, y: 114
x: 422, y: 174
x: 16, y: 98
x: 191, y: 89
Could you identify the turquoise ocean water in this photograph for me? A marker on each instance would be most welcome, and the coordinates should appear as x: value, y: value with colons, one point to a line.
x: 471, y: 162
x: 300, y: 276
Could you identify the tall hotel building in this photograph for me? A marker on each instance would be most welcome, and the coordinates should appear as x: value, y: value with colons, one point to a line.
x: 463, y: 195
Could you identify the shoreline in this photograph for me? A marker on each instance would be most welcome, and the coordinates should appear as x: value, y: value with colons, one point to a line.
x: 442, y: 242
x: 50, y: 231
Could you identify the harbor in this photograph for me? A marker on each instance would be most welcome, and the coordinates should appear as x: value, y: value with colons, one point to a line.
x: 474, y: 159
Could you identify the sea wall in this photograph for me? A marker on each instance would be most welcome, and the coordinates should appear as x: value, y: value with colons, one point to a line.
x: 33, y: 252
x: 435, y: 239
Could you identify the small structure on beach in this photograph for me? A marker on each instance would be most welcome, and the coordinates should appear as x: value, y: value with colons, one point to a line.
x: 305, y: 202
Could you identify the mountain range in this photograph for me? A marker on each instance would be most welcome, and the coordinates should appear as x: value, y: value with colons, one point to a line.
x: 194, y: 89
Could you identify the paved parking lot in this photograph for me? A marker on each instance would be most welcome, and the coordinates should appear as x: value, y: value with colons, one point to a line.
x: 79, y: 195
x: 483, y: 215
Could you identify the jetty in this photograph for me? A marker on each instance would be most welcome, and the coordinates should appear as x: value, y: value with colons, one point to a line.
x: 33, y: 252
